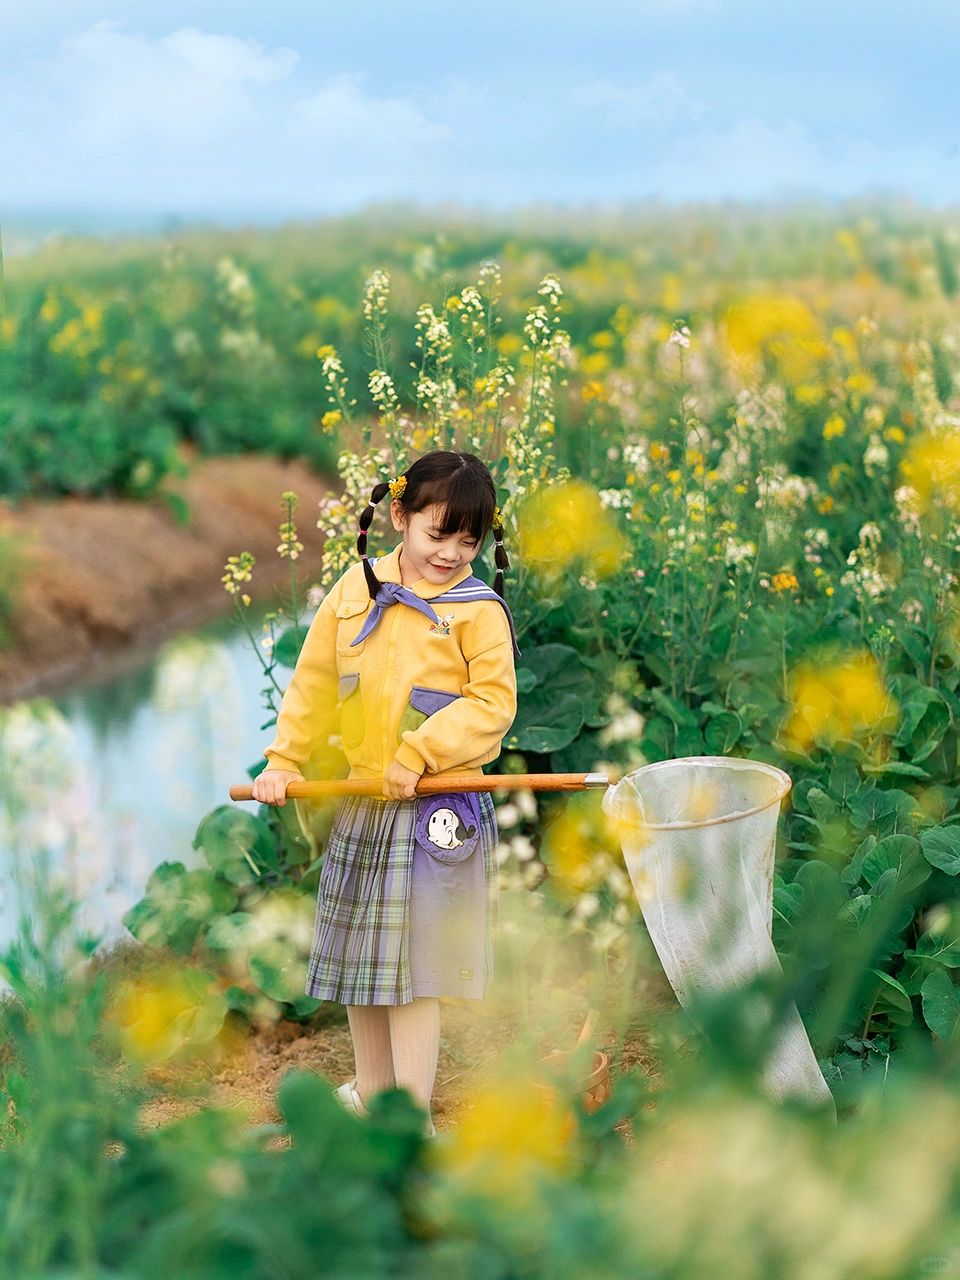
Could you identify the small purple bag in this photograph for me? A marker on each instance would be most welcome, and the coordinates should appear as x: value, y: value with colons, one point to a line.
x: 448, y: 825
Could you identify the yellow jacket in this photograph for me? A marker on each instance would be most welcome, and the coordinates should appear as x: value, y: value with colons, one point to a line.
x: 438, y: 698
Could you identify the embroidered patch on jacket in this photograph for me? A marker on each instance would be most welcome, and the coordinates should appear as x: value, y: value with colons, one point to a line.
x: 441, y: 628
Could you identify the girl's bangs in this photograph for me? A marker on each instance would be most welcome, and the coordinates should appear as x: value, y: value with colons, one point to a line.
x: 464, y: 506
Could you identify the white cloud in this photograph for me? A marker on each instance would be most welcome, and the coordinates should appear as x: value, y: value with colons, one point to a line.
x: 753, y: 158
x: 342, y: 119
x: 659, y: 100
x: 195, y: 120
x: 109, y: 87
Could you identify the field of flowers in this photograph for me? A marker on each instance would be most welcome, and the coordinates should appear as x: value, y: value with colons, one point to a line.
x: 728, y: 459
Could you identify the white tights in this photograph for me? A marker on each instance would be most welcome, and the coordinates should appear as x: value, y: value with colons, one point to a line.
x: 396, y: 1044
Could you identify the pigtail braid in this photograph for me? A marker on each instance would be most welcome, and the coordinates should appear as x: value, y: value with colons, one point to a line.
x: 378, y: 492
x: 499, y: 558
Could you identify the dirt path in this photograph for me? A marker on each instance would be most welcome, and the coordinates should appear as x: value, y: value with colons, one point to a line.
x: 243, y: 1067
x: 108, y: 576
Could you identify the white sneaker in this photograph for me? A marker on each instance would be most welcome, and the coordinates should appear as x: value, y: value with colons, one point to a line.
x: 349, y: 1098
x: 348, y: 1095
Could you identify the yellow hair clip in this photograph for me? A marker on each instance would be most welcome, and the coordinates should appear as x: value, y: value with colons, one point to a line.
x: 397, y: 486
x: 497, y: 521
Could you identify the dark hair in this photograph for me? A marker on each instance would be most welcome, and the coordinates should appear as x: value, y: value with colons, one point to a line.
x: 462, y: 486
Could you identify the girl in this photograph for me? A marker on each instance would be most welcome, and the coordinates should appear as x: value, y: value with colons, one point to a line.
x: 413, y: 657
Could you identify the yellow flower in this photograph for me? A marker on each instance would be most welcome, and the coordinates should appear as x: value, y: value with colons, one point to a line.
x: 834, y: 426
x: 158, y: 1016
x: 932, y: 467
x: 397, y: 486
x: 659, y: 452
x: 670, y: 292
x: 593, y: 390
x: 330, y: 420
x: 825, y: 504
x: 784, y: 582
x: 596, y: 362
x: 326, y: 350
x: 673, y: 476
x: 92, y: 317
x: 860, y: 382
x: 603, y: 339
x: 579, y: 844
x: 514, y: 1132
x: 833, y: 698
x: 809, y: 393
x: 895, y: 434
x: 565, y: 523
x: 509, y: 344
x: 453, y: 303
x: 845, y: 340
x: 777, y: 328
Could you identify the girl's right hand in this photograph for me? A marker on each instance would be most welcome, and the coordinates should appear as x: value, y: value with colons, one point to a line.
x: 270, y: 786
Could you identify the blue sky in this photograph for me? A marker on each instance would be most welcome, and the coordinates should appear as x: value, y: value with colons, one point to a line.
x: 271, y: 110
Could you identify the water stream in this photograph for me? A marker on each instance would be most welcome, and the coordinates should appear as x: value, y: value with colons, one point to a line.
x: 100, y: 783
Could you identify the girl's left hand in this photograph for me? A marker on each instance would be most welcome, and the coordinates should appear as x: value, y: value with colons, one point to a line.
x: 399, y: 782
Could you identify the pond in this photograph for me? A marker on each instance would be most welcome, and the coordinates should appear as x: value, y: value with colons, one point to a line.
x: 102, y: 782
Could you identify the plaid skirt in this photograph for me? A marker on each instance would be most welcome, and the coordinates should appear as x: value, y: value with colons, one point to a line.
x: 393, y: 923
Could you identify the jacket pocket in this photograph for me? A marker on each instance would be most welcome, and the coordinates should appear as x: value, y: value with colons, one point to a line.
x: 422, y: 704
x: 349, y: 622
x: 448, y: 826
x: 351, y: 711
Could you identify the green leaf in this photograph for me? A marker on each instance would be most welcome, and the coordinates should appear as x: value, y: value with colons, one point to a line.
x: 526, y: 679
x: 938, y: 948
x: 903, y: 855
x: 941, y: 847
x: 941, y: 1005
x: 236, y: 843
x: 893, y: 993
x: 672, y: 709
x: 852, y: 872
x: 177, y: 905
x: 722, y: 732
x: 278, y: 969
x: 900, y: 767
x: 233, y: 932
x: 288, y: 645
x: 822, y: 805
x: 546, y: 723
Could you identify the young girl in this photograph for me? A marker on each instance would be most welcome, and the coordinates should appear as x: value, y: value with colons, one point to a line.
x: 414, y: 656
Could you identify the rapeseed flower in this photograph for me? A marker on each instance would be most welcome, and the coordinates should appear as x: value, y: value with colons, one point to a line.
x: 778, y: 329
x: 836, y: 699
x: 932, y: 468
x: 567, y: 523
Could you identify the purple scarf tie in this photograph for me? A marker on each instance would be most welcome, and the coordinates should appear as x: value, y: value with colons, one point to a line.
x: 392, y: 593
x: 471, y: 588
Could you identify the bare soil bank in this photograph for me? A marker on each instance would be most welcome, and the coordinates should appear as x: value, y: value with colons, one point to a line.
x: 108, y: 578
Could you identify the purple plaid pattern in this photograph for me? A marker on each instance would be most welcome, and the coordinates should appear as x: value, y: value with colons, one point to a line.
x: 361, y: 944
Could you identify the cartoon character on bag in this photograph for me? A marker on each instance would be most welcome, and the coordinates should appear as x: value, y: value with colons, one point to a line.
x: 446, y: 830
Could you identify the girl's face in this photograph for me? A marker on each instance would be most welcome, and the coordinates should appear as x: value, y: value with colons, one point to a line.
x: 426, y: 554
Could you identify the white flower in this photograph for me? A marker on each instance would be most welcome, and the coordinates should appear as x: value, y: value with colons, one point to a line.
x: 508, y: 815
x: 522, y: 848
x: 680, y: 337
x: 588, y: 905
x: 526, y: 803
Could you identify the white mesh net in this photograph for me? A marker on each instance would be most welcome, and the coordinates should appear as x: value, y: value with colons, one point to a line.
x: 699, y: 837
